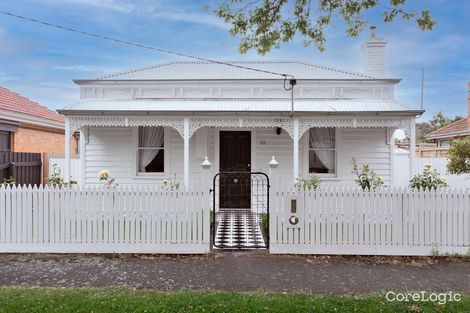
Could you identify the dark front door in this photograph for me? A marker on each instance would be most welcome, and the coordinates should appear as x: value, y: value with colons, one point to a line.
x: 235, y: 159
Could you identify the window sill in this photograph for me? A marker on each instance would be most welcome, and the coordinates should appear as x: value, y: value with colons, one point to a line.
x: 326, y: 177
x: 329, y: 178
x: 159, y: 176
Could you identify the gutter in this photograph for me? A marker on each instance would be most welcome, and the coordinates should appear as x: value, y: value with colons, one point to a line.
x: 30, y: 119
x: 119, y: 81
x: 237, y: 113
x: 450, y: 135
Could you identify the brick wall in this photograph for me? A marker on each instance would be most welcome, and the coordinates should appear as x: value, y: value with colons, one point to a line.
x: 39, y: 139
x: 48, y: 141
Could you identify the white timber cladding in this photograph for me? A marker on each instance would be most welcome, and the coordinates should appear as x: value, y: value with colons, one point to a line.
x: 304, y: 89
x: 185, y: 106
x: 195, y: 100
x: 114, y: 149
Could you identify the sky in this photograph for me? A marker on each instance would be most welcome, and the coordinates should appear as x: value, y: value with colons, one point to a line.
x: 41, y: 62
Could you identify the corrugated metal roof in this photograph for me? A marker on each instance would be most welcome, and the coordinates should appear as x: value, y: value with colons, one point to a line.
x: 238, y: 105
x: 199, y: 70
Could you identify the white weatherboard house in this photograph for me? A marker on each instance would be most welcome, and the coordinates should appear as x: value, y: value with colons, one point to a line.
x: 161, y: 121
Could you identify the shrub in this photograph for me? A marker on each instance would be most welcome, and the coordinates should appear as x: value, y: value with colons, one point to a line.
x: 265, y: 223
x: 10, y: 181
x: 105, y: 177
x: 171, y: 185
x: 428, y: 179
x: 366, y: 178
x: 307, y: 183
x: 459, y: 156
x: 56, y: 180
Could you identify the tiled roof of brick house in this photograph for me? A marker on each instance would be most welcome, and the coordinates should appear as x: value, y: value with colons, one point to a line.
x: 459, y: 128
x: 11, y: 101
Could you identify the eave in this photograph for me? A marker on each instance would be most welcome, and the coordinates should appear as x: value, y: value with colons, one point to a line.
x: 449, y: 135
x: 127, y: 81
x: 29, y: 119
x: 238, y: 113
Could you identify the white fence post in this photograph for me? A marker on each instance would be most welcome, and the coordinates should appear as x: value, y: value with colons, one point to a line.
x: 206, y: 166
x: 66, y: 169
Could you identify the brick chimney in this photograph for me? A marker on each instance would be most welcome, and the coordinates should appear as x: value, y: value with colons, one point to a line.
x: 374, y: 54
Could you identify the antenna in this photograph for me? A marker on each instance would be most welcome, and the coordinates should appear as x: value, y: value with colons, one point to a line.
x: 422, y: 87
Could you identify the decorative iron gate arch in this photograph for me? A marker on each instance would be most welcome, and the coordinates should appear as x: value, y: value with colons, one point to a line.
x: 241, y: 210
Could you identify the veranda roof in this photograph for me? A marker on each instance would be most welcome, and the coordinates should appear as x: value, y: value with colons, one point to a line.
x: 237, y: 105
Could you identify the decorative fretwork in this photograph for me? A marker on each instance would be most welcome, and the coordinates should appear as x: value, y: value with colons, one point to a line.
x: 285, y: 123
x: 234, y: 122
x: 175, y: 122
x: 195, y: 123
x: 306, y: 124
x: 404, y: 123
x: 77, y: 122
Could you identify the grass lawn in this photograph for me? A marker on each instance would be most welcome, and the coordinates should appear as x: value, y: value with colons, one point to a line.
x: 109, y: 300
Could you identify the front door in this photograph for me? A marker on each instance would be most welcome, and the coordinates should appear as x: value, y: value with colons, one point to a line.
x: 235, y: 159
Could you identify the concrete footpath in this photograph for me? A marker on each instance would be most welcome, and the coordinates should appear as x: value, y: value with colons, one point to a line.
x: 238, y: 272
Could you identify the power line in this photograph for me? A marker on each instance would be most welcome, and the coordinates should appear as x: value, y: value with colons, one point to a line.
x: 139, y: 45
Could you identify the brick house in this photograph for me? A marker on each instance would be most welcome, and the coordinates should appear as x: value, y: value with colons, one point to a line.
x: 456, y: 130
x: 26, y: 126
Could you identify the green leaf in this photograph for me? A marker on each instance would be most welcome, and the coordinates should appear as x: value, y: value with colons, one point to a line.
x: 266, y: 24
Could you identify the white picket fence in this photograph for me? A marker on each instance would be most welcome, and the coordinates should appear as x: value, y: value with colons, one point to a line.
x: 142, y: 219
x: 386, y: 222
x: 100, y: 220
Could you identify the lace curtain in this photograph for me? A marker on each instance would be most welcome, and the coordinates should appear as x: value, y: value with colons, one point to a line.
x: 322, y: 141
x: 149, y: 137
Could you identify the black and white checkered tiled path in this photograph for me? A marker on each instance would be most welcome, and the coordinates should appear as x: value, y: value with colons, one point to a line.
x: 238, y: 228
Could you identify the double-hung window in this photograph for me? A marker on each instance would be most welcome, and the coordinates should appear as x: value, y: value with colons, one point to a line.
x: 5, y: 141
x: 322, y: 150
x: 151, y: 150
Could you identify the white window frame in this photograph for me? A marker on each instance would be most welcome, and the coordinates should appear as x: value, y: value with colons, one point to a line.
x: 306, y: 149
x: 166, y: 155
